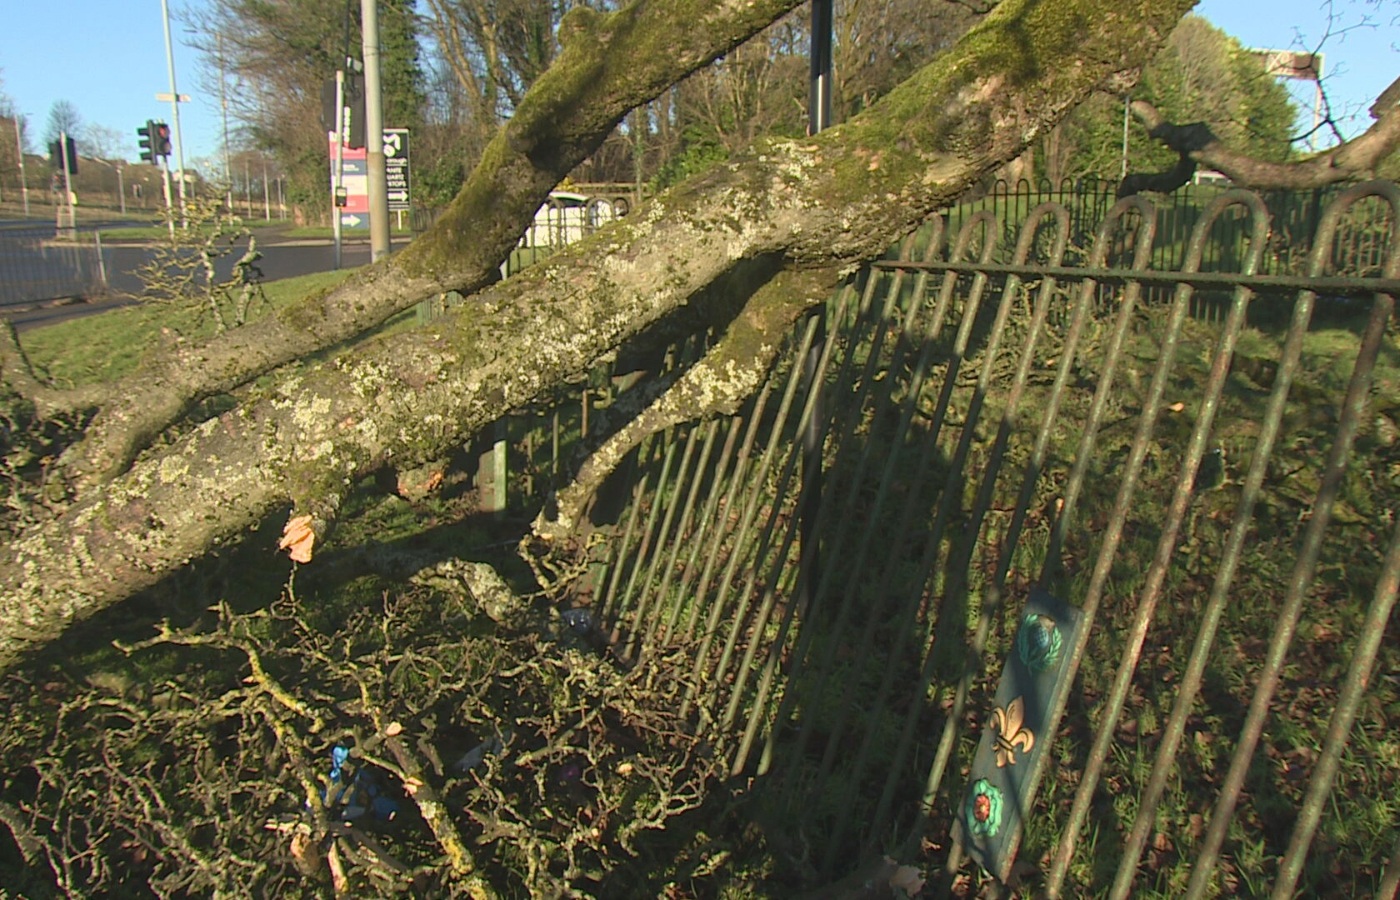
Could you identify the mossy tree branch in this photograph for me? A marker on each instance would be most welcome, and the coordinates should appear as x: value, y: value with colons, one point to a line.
x: 1354, y: 160
x: 827, y: 202
x: 717, y: 384
x: 609, y: 65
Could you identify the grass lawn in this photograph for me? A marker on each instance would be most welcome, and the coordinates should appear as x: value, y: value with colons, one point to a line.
x: 106, y: 346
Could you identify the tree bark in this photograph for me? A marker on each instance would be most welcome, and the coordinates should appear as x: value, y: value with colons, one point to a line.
x: 831, y: 201
x: 1355, y: 160
x: 609, y: 64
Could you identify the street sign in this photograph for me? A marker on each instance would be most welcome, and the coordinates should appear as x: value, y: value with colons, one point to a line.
x: 354, y: 177
x: 396, y: 172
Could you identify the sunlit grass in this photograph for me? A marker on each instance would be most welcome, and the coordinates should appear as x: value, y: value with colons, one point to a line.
x: 104, y: 347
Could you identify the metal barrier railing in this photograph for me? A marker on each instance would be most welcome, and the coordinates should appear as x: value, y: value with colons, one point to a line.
x: 34, y: 267
x: 1206, y: 503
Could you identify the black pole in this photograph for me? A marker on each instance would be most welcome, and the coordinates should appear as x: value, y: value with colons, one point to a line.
x: 819, y: 105
x: 809, y: 501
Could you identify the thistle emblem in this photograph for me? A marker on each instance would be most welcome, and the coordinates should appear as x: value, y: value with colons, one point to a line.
x: 1039, y: 642
x: 1011, y: 732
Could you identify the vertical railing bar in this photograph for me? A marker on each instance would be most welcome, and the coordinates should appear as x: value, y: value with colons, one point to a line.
x: 741, y: 548
x: 724, y: 519
x: 708, y: 517
x: 843, y: 382
x: 761, y: 546
x: 1339, y: 728
x: 1311, y: 546
x: 908, y: 610
x: 1085, y: 451
x: 784, y: 479
x: 1176, y: 511
x: 1079, y: 315
x: 770, y: 590
x: 666, y: 542
x: 683, y: 533
x: 1088, y: 300
x: 605, y: 607
x: 987, y: 224
x: 847, y: 382
x: 926, y: 447
x: 649, y: 540
x: 856, y: 477
x: 1039, y: 313
x: 1214, y: 608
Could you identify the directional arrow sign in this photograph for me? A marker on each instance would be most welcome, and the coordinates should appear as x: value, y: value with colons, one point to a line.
x: 396, y: 174
x: 352, y: 221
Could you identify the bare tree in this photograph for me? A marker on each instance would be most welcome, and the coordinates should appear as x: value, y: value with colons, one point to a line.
x: 103, y: 142
x: 63, y: 117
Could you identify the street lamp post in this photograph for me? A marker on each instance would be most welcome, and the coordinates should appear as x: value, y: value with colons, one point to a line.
x: 374, y: 134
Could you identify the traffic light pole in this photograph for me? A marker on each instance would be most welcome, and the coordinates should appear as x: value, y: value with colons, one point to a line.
x: 169, y: 199
x: 67, y: 178
x: 174, y: 112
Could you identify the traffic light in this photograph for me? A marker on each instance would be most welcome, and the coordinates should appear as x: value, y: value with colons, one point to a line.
x: 56, y: 155
x: 148, y: 147
x: 154, y: 141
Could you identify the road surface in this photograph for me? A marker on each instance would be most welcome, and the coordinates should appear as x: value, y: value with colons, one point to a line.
x: 282, y: 257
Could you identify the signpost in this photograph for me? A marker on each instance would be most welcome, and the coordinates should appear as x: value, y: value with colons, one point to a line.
x: 396, y: 171
x: 354, y: 178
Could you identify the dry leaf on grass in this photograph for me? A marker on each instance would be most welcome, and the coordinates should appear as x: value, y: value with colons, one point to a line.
x: 298, y: 539
x: 907, y: 879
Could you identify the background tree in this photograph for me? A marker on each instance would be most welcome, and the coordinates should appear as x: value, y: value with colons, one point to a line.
x: 103, y: 142
x: 11, y: 123
x: 485, y: 54
x: 63, y: 117
x: 277, y: 56
x: 1201, y: 75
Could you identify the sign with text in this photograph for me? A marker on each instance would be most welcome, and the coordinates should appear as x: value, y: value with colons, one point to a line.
x: 396, y: 174
x: 354, y: 177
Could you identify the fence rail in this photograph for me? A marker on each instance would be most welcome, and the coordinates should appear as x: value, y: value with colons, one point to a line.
x: 1099, y: 579
x: 35, y: 267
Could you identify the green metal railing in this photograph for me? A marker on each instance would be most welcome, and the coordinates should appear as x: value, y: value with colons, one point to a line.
x: 1210, y: 499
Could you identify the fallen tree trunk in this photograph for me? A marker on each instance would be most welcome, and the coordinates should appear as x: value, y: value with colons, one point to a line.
x: 827, y: 202
x: 609, y: 65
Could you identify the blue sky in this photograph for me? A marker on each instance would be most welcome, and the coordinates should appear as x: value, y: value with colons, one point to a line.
x: 107, y: 57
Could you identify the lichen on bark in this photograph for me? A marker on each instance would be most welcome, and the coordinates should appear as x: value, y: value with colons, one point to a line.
x: 828, y: 202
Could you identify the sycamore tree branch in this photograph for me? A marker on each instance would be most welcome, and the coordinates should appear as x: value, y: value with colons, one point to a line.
x: 831, y: 201
x: 718, y: 384
x: 1353, y: 160
x: 609, y: 65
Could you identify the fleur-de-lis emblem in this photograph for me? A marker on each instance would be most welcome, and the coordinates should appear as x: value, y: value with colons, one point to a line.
x: 1011, y: 732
